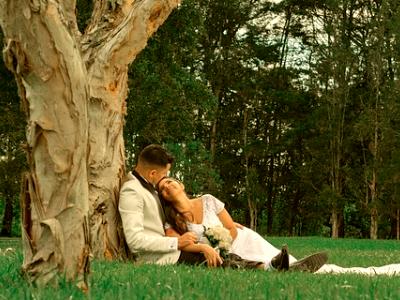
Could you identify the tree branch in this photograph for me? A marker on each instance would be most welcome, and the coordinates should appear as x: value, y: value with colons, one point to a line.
x: 120, y: 34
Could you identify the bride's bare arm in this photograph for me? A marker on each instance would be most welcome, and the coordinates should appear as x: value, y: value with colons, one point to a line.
x: 228, y: 223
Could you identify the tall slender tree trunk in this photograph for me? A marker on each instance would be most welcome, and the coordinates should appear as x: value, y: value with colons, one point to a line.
x: 73, y: 88
x: 374, y: 209
x: 285, y: 37
x: 270, y: 194
x: 213, y: 139
x: 8, y: 216
x: 335, y: 224
x: 374, y: 224
x: 273, y: 160
x: 398, y: 225
x: 250, y: 203
x: 338, y: 117
x: 366, y: 181
x: 337, y: 18
x: 374, y: 199
x: 336, y: 189
x: 214, y: 125
x: 375, y: 150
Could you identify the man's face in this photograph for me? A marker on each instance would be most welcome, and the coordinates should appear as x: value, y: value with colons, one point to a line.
x: 157, y: 174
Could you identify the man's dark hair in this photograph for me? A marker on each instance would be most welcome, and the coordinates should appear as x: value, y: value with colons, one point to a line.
x: 155, y: 155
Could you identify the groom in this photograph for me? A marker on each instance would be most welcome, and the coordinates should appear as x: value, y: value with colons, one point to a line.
x: 141, y: 212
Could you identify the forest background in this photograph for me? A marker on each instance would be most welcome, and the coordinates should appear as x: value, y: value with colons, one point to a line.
x: 288, y: 112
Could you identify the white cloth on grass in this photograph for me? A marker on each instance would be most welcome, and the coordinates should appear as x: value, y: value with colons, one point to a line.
x: 391, y: 270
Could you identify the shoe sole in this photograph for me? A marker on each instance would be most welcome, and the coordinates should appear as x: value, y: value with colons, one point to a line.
x: 310, y: 263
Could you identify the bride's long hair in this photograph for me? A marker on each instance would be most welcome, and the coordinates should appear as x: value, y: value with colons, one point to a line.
x: 177, y: 220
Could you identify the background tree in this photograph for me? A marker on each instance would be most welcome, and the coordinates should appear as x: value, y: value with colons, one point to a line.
x: 334, y: 59
x: 170, y: 102
x: 12, y: 159
x: 379, y: 106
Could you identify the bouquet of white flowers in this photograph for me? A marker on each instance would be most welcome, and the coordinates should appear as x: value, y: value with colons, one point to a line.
x: 219, y: 238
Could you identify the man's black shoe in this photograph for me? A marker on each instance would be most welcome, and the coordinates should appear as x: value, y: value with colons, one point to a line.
x: 281, y: 261
x: 310, y: 263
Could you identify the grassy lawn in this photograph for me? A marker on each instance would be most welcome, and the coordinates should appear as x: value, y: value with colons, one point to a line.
x: 123, y: 280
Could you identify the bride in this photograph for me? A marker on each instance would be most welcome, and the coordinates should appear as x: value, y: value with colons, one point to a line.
x: 197, y: 214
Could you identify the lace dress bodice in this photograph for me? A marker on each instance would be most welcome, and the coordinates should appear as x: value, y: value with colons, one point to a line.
x: 211, y: 208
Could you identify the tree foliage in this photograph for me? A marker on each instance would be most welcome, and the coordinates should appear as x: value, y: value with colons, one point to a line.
x: 12, y: 158
x: 288, y: 112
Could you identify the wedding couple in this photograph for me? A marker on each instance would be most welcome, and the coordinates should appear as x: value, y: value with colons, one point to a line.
x: 163, y: 226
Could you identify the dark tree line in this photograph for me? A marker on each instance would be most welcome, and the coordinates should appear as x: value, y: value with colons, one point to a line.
x: 287, y: 112
x: 12, y: 158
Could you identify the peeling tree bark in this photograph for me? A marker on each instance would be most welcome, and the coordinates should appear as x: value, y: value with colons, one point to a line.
x: 48, y: 67
x: 124, y: 33
x: 73, y: 87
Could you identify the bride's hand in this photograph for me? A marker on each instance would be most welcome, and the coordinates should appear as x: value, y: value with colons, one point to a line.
x: 238, y: 225
x: 212, y: 256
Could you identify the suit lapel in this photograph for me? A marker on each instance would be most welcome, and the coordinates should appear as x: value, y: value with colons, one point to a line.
x: 149, y: 187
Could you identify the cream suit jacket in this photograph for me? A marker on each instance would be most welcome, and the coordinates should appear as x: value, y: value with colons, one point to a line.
x: 143, y: 224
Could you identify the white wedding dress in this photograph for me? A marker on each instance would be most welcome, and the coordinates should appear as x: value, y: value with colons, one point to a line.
x: 252, y: 246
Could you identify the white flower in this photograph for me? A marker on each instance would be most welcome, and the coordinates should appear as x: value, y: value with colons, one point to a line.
x: 220, y: 238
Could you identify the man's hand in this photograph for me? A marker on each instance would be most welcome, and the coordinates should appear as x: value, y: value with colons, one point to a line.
x: 212, y: 256
x: 186, y: 239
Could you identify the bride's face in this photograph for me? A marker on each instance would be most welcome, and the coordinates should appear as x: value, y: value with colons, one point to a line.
x: 170, y: 188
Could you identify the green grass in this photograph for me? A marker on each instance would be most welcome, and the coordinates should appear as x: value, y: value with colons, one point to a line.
x: 122, y: 280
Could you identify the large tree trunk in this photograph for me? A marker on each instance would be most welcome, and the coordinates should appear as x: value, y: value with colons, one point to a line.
x: 131, y: 26
x: 43, y: 54
x: 73, y: 89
